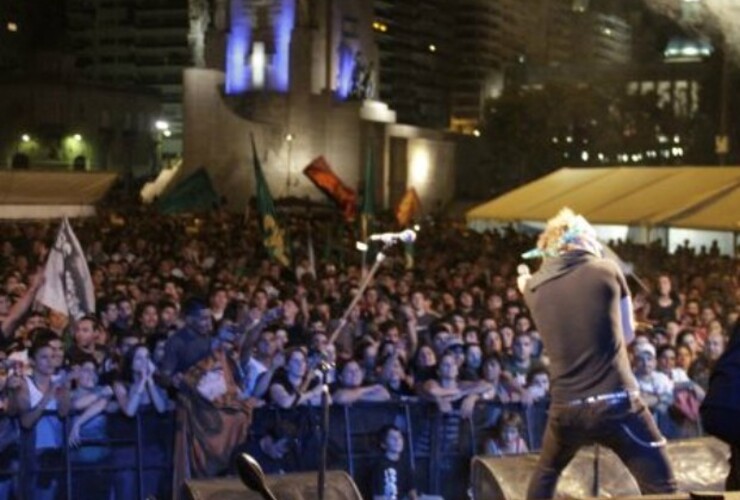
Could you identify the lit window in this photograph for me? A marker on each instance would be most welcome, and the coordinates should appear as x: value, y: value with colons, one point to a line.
x: 378, y: 26
x: 12, y: 27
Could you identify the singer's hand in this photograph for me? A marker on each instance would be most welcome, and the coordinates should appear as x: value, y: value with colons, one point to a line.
x: 523, y: 278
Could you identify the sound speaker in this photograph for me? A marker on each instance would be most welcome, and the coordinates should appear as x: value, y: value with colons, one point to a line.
x: 698, y: 464
x: 299, y: 486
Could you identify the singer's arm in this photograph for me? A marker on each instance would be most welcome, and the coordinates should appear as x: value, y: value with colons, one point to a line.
x: 628, y: 319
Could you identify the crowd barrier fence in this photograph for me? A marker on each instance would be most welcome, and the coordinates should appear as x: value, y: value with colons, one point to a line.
x: 133, y: 457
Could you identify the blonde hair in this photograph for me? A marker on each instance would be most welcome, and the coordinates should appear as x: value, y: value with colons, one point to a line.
x: 568, y: 231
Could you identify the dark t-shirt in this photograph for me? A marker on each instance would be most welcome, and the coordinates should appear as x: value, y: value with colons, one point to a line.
x: 575, y: 303
x: 392, y: 479
x: 281, y: 378
x: 184, y: 349
x: 664, y: 314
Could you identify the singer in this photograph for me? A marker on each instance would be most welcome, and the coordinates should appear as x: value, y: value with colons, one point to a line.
x: 582, y: 307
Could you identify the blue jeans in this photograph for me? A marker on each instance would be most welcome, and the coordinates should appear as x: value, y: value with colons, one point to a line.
x: 625, y: 426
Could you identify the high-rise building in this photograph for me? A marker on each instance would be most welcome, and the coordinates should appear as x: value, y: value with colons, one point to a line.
x: 491, y: 36
x: 138, y: 42
x: 27, y: 27
x: 414, y: 48
x: 13, y: 34
x: 568, y: 31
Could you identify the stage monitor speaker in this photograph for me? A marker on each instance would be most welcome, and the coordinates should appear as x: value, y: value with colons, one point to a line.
x: 299, y: 486
x: 698, y: 464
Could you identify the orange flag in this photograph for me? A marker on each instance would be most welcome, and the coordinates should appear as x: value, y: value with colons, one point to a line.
x: 326, y: 180
x: 407, y: 207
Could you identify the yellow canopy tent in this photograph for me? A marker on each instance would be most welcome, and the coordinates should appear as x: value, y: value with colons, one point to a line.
x: 43, y: 194
x: 689, y: 197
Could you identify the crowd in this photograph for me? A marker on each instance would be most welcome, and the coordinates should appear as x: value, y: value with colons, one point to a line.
x: 192, y: 316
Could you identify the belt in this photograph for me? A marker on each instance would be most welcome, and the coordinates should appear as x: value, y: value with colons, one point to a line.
x: 610, y: 397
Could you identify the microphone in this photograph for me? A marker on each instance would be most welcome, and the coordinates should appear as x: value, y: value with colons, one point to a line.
x: 405, y: 236
x: 523, y: 276
x: 252, y: 476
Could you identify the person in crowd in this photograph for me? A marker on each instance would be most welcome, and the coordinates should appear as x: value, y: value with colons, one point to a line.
x: 289, y: 388
x: 191, y: 343
x: 168, y: 317
x: 666, y: 364
x: 261, y: 364
x: 35, y: 396
x: 507, y: 335
x: 424, y: 364
x: 493, y: 342
x: 720, y: 410
x: 394, y: 378
x: 471, y: 367
x: 656, y: 389
x: 688, y: 338
x: 447, y: 389
x: 217, y: 302
x: 107, y: 312
x: 125, y: 317
x: 581, y: 304
x: 501, y: 390
x: 538, y: 385
x: 213, y: 414
x: 91, y: 402
x: 20, y: 307
x: 424, y: 315
x: 146, y: 319
x: 456, y: 348
x: 392, y: 476
x: 85, y: 341
x: 521, y: 361
x: 9, y: 436
x: 684, y: 357
x: 702, y: 366
x: 508, y: 439
x: 137, y: 394
x: 665, y: 304
x: 351, y: 388
x: 137, y: 386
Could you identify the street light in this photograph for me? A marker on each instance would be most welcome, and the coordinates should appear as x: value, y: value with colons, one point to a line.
x: 162, y: 128
x: 26, y: 138
x: 289, y: 137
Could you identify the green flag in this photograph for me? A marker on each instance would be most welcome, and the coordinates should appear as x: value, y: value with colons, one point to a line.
x: 272, y: 234
x: 367, y: 212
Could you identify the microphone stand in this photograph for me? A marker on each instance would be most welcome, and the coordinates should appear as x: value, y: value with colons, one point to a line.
x: 379, y: 258
x: 324, y: 439
x: 595, y: 485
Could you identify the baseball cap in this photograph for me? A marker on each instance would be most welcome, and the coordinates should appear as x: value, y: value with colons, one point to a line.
x: 644, y: 348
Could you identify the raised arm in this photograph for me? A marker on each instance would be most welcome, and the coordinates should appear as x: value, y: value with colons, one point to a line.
x: 22, y: 305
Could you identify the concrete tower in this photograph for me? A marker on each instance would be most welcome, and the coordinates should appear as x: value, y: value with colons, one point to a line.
x: 300, y: 76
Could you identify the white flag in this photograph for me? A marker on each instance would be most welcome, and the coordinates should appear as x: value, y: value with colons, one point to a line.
x: 68, y: 286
